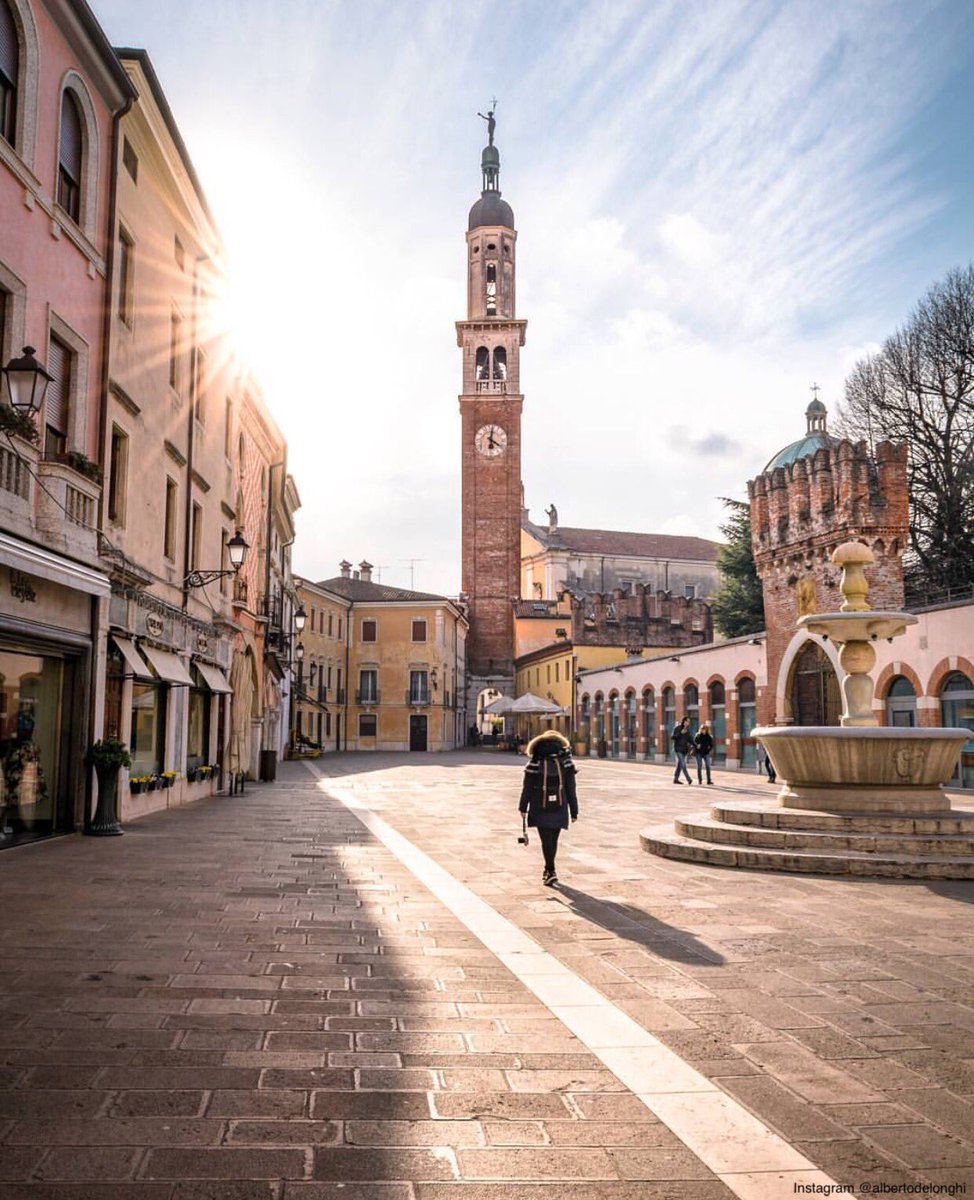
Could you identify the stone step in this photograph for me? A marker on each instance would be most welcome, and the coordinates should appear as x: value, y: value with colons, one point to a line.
x: 770, y: 816
x: 705, y: 829
x: 662, y: 840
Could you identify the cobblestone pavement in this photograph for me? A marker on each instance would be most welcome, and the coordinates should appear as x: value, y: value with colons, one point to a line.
x: 255, y: 998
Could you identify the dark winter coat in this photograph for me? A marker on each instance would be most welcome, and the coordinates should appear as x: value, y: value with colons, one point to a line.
x: 703, y: 743
x: 550, y: 772
x: 682, y: 739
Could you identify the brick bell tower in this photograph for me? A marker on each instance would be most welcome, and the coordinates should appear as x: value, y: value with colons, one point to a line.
x: 813, y: 495
x: 490, y: 414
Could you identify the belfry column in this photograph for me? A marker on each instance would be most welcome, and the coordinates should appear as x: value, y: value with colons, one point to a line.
x: 490, y: 412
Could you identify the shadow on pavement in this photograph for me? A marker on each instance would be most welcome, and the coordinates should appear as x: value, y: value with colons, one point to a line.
x: 635, y: 925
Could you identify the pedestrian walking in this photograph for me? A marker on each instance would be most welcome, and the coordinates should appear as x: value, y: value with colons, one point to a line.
x: 548, y: 796
x: 703, y: 748
x: 765, y: 763
x: 682, y: 745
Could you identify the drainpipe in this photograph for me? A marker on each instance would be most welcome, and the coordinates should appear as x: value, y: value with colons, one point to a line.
x: 102, y: 433
x: 191, y: 432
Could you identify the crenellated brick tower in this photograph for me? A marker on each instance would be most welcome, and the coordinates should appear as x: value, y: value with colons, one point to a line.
x: 490, y: 411
x: 813, y: 495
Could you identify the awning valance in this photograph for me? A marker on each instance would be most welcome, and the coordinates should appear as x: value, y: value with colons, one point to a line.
x: 167, y: 666
x: 213, y: 677
x: 134, y: 661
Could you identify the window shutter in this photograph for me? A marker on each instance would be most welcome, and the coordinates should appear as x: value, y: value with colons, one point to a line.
x: 9, y: 45
x: 59, y: 389
x: 69, y: 154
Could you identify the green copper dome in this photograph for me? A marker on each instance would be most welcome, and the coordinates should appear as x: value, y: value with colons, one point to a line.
x: 816, y: 438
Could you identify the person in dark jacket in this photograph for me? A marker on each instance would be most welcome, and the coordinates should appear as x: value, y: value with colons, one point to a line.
x: 682, y: 745
x: 548, y: 796
x: 703, y: 748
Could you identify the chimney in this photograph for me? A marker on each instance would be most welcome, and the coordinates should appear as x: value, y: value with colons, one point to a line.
x: 366, y: 571
x: 345, y: 567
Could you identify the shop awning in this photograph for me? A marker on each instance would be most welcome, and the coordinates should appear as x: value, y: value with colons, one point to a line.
x: 126, y: 647
x: 167, y: 666
x: 214, y: 678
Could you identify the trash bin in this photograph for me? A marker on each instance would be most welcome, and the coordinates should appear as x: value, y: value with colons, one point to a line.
x: 268, y: 766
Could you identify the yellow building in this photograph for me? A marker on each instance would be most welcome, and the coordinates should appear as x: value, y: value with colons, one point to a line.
x: 397, y: 670
x: 550, y: 673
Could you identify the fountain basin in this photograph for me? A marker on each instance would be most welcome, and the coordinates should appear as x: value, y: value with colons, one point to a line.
x: 854, y: 769
x: 867, y: 626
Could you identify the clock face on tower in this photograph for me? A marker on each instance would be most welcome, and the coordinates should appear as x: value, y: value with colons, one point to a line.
x: 490, y: 440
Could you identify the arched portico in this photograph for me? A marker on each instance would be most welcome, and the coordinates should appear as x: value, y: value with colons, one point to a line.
x: 783, y: 694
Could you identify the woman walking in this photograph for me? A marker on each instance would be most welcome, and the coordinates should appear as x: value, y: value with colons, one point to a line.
x: 548, y: 796
x: 682, y: 745
x: 703, y: 748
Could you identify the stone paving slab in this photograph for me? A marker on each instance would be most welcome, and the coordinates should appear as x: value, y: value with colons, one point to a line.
x: 252, y: 998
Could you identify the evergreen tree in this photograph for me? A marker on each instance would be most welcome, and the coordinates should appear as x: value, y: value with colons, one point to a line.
x: 738, y: 607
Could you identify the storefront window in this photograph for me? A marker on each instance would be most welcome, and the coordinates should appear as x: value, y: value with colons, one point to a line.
x: 957, y: 712
x: 691, y: 701
x: 33, y: 728
x: 649, y: 722
x: 746, y: 720
x: 718, y: 720
x: 198, y: 733
x: 148, y: 727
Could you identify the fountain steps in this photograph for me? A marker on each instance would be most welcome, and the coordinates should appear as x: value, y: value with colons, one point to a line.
x: 813, y: 843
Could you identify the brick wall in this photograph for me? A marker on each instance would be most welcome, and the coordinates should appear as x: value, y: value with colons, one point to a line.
x: 801, y: 512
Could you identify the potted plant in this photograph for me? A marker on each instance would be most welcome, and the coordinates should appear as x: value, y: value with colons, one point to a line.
x: 81, y: 463
x: 137, y: 784
x: 12, y: 420
x: 107, y: 756
x: 168, y: 778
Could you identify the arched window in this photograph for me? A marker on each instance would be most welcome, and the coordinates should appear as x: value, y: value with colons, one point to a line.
x: 586, y: 709
x: 483, y: 363
x: 631, y: 726
x: 901, y: 703
x: 70, y: 157
x: 718, y: 719
x: 649, y: 722
x: 599, y: 712
x: 957, y: 712
x: 669, y: 718
x: 691, y: 702
x: 746, y: 719
x: 500, y: 363
x: 9, y: 71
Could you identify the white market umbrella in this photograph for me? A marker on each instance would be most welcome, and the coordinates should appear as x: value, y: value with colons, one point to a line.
x: 500, y: 707
x: 534, y: 705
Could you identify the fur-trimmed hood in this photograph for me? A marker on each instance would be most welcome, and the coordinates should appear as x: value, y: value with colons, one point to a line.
x: 549, y: 742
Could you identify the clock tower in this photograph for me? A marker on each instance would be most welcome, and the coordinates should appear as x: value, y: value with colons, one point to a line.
x: 490, y: 412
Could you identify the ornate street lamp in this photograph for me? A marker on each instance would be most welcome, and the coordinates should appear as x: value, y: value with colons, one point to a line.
x: 237, y: 549
x: 27, y: 382
x: 300, y: 619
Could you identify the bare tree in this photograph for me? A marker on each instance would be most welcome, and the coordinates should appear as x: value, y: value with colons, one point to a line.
x: 920, y: 389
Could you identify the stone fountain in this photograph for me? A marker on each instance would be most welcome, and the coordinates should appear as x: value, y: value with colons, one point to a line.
x: 860, y: 798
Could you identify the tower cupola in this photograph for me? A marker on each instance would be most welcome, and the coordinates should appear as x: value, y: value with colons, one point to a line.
x: 490, y: 210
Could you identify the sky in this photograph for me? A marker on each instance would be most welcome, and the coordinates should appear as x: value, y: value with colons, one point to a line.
x: 717, y: 205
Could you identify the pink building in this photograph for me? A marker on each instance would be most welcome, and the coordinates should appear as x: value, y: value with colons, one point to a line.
x: 62, y: 91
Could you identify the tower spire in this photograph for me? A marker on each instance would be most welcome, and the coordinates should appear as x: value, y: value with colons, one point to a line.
x: 490, y: 160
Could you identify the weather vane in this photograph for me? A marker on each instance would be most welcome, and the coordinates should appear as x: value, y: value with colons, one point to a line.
x: 491, y: 123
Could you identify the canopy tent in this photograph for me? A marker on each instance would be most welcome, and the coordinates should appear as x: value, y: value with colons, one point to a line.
x: 500, y: 707
x: 534, y: 706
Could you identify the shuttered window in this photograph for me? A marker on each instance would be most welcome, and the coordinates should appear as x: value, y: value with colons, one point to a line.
x: 58, y: 394
x: 70, y: 153
x: 9, y: 67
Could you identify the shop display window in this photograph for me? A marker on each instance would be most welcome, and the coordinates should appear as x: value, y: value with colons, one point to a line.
x: 34, y: 720
x: 148, y: 727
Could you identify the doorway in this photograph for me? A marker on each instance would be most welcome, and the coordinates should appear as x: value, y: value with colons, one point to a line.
x: 815, y: 696
x: 417, y: 732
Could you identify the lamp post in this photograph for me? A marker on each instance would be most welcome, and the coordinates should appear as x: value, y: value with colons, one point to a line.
x: 27, y: 382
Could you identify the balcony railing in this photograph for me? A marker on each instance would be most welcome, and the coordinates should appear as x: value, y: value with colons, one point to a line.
x: 417, y: 698
x: 17, y: 487
x: 498, y: 386
x: 367, y: 696
x: 339, y: 695
x: 66, y: 509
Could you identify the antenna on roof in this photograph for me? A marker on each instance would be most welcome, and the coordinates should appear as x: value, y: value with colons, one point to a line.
x: 412, y: 570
